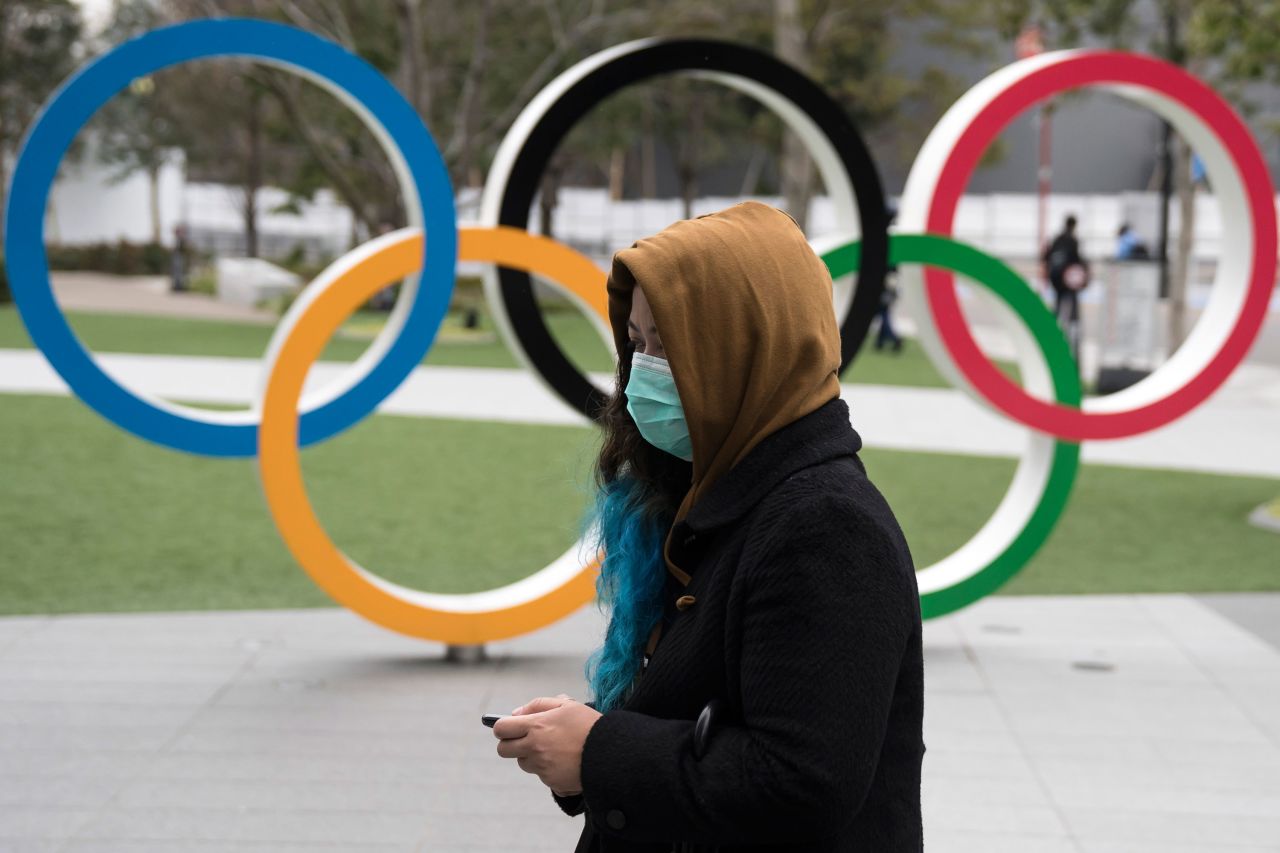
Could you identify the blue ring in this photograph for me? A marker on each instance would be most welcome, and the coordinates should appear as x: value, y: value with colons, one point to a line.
x: 75, y: 102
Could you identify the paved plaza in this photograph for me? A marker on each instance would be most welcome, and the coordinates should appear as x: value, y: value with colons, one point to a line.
x: 1089, y: 724
x: 84, y: 290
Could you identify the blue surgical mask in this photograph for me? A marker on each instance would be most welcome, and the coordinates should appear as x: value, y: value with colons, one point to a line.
x: 655, y: 406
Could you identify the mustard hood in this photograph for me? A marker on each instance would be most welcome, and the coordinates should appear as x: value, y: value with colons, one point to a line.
x: 745, y: 311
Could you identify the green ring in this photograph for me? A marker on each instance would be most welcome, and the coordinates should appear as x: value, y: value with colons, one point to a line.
x: 1013, y: 290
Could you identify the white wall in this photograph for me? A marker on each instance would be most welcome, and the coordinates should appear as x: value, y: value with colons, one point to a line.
x: 1003, y: 224
x: 86, y: 207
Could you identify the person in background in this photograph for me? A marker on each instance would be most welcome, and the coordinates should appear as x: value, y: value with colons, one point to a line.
x: 1129, y: 246
x: 179, y: 259
x: 1068, y: 274
x: 885, y: 334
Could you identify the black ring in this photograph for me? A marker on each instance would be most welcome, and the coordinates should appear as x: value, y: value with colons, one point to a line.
x: 652, y: 59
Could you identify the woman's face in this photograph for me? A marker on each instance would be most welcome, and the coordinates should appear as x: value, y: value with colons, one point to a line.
x: 644, y: 335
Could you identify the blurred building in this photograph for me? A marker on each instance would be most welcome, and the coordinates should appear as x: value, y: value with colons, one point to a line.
x: 89, y: 205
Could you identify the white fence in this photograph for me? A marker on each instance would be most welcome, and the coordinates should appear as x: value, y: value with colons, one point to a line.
x: 86, y: 208
x: 1003, y: 224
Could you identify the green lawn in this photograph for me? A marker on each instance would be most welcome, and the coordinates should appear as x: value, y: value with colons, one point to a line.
x: 578, y: 339
x: 96, y: 520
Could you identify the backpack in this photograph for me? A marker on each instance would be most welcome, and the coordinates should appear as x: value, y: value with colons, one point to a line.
x: 1058, y: 258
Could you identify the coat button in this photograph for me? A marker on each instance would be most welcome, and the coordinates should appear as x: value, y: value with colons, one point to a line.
x: 684, y: 602
x: 616, y: 819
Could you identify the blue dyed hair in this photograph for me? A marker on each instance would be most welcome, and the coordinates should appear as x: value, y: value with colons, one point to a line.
x: 630, y: 584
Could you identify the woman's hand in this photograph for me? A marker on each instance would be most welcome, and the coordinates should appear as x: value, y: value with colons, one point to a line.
x: 545, y: 737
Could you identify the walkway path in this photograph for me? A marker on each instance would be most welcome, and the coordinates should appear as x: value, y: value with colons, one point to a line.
x: 146, y: 294
x: 1235, y: 432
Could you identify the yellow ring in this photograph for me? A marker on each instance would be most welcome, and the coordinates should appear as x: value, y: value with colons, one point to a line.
x: 393, y: 257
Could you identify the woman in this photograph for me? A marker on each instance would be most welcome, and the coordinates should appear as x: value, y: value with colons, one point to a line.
x: 749, y: 560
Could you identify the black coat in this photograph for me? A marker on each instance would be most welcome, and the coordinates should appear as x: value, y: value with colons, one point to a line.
x: 1062, y: 253
x: 806, y: 625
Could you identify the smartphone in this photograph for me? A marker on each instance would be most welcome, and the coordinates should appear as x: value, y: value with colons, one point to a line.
x: 490, y: 719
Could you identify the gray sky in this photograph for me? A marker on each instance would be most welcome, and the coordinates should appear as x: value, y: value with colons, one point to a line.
x: 96, y: 13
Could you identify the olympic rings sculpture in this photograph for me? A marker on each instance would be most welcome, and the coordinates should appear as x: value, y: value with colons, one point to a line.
x: 424, y: 255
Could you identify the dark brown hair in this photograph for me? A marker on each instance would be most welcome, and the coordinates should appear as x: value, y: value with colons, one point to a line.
x: 664, y: 478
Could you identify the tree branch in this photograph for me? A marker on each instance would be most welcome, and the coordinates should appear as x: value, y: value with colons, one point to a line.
x: 461, y: 137
x: 286, y: 95
x: 550, y: 62
x: 555, y: 21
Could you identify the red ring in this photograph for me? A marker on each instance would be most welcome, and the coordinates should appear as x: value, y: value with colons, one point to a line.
x: 1092, y: 68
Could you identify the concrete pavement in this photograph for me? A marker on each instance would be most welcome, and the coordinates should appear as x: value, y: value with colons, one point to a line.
x: 1074, y: 724
x: 146, y: 295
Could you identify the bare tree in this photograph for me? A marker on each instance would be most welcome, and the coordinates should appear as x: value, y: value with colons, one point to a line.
x: 795, y: 165
x: 36, y: 41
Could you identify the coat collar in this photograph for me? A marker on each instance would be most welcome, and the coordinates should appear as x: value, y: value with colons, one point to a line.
x: 825, y: 433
